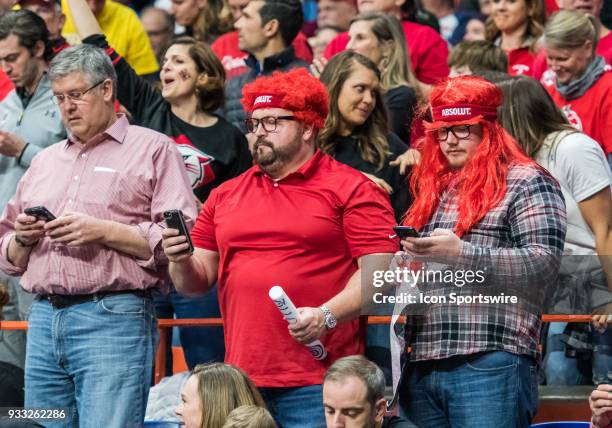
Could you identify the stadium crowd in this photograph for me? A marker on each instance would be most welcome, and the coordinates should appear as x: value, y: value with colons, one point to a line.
x: 177, y: 159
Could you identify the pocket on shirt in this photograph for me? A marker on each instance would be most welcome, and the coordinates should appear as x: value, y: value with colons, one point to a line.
x: 102, y: 189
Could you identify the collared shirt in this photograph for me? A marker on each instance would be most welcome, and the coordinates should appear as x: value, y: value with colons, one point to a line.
x: 527, y: 226
x: 305, y: 233
x: 127, y: 174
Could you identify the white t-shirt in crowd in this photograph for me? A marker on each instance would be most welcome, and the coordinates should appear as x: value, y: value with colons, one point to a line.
x: 579, y: 165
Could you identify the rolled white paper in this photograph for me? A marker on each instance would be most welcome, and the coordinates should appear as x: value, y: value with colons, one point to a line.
x: 290, y: 313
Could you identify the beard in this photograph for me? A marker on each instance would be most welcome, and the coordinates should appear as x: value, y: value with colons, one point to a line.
x: 272, y: 159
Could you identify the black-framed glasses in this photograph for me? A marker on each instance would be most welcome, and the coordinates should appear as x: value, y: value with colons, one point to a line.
x: 74, y: 96
x: 461, y: 132
x: 269, y: 123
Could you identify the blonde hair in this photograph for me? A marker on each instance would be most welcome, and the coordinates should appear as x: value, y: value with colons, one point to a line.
x: 396, y: 69
x: 222, y: 388
x: 536, y: 17
x: 570, y: 29
x: 249, y: 417
x: 213, y: 20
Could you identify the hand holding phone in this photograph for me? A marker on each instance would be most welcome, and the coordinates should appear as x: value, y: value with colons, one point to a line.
x: 406, y: 232
x: 40, y: 212
x: 175, y: 220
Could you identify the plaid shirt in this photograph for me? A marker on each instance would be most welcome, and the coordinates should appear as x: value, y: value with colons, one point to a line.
x: 526, y: 231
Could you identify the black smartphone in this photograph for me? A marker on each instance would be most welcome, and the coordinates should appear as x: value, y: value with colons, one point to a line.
x: 406, y: 232
x: 175, y: 220
x: 40, y: 212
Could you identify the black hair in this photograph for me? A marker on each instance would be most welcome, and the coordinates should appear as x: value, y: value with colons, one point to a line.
x: 289, y: 15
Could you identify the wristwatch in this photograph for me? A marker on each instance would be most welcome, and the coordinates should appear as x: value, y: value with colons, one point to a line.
x: 330, y: 319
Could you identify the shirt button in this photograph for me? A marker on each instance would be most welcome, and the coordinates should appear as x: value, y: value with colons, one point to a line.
x: 84, y: 155
x: 56, y: 248
x: 69, y: 201
x: 76, y: 178
x: 275, y: 184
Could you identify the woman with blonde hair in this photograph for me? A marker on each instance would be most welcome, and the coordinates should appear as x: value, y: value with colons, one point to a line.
x: 379, y: 37
x: 205, y: 20
x: 212, y: 392
x: 516, y: 26
x: 583, y: 87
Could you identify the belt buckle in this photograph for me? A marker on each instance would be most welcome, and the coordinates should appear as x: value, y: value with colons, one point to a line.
x: 56, y: 301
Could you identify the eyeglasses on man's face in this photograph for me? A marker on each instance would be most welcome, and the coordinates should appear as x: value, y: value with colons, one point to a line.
x: 269, y: 123
x: 461, y: 132
x: 74, y: 96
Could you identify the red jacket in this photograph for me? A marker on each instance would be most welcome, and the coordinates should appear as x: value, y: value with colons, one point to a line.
x: 233, y: 59
x: 428, y: 51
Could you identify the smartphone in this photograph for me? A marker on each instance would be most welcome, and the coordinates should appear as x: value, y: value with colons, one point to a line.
x: 40, y: 212
x: 175, y: 220
x: 406, y: 232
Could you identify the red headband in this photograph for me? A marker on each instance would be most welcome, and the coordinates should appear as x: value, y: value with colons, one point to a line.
x: 268, y: 101
x: 462, y: 112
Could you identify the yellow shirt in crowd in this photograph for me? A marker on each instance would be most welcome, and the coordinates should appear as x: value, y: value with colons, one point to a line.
x: 124, y: 33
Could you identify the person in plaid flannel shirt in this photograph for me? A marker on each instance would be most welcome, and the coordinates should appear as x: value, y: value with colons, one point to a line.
x: 477, y: 197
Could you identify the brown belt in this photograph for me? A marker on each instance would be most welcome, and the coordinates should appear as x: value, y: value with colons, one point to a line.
x: 61, y: 301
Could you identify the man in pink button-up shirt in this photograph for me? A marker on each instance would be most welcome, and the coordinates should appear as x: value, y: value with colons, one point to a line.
x: 92, y: 332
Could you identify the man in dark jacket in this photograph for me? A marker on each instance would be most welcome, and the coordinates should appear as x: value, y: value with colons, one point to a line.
x: 266, y: 30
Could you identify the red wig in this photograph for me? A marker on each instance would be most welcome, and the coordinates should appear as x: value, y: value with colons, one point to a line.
x: 295, y: 90
x: 481, y: 183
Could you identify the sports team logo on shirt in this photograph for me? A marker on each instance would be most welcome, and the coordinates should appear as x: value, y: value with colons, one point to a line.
x: 520, y: 68
x: 197, y: 163
x: 572, y: 117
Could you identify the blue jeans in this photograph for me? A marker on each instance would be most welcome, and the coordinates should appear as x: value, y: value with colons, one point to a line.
x: 94, y: 359
x: 200, y: 344
x: 300, y: 407
x: 562, y: 370
x: 482, y: 390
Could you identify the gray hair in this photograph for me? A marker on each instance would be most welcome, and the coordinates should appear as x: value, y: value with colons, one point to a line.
x: 360, y: 367
x: 90, y: 60
x: 571, y: 29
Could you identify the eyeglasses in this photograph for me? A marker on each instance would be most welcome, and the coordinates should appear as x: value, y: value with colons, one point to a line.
x: 269, y: 123
x: 74, y: 96
x: 461, y: 132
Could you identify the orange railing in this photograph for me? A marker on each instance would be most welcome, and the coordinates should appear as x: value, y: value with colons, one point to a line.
x: 165, y: 324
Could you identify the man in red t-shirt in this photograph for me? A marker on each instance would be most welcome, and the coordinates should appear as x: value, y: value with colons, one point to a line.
x: 234, y: 60
x: 298, y: 219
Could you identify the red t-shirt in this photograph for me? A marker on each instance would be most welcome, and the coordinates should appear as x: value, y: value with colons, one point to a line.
x: 226, y: 49
x: 428, y: 51
x: 591, y: 113
x: 6, y: 85
x: 547, y: 77
x: 551, y: 6
x: 305, y: 233
x: 520, y: 61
